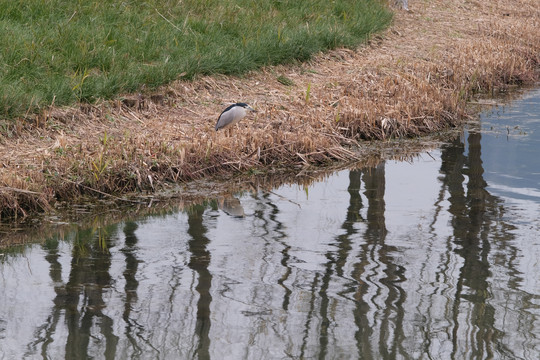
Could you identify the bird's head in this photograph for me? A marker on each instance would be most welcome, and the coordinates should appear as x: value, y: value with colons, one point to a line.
x: 246, y: 106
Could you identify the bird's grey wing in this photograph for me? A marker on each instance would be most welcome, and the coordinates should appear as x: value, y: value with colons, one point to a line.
x: 224, y: 119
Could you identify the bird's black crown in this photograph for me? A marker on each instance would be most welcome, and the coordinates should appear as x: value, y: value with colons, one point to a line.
x: 241, y: 104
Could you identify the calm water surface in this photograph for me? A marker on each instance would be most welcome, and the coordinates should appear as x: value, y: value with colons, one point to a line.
x: 437, y: 258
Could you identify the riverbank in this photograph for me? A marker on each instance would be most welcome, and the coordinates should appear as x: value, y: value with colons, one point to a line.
x: 414, y: 79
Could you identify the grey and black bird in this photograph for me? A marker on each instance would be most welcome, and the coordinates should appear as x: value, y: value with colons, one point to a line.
x: 233, y: 114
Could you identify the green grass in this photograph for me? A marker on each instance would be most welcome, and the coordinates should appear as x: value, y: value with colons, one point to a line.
x: 64, y: 51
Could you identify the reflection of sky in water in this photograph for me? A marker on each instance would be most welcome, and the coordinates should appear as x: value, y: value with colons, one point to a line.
x: 511, y: 149
x: 511, y: 161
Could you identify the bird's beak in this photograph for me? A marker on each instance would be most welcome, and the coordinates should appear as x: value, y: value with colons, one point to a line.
x: 252, y: 109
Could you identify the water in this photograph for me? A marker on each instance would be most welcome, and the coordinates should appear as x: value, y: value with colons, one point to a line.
x: 436, y: 258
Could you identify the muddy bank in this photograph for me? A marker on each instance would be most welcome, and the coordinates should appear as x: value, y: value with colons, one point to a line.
x: 412, y: 80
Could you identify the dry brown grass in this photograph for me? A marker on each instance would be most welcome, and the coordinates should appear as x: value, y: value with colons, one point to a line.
x: 412, y: 80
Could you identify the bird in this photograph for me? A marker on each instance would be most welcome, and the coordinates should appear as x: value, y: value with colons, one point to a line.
x: 233, y: 114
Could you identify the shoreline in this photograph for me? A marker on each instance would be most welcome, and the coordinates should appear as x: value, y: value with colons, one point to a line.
x: 414, y: 79
x: 90, y: 212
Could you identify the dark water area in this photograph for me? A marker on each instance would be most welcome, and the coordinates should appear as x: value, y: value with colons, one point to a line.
x: 434, y: 258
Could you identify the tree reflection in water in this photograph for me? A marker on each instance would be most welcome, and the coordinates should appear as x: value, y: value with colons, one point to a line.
x: 80, y: 301
x: 199, y: 262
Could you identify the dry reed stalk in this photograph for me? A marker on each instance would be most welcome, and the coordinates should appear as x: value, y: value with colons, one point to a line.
x: 415, y: 79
